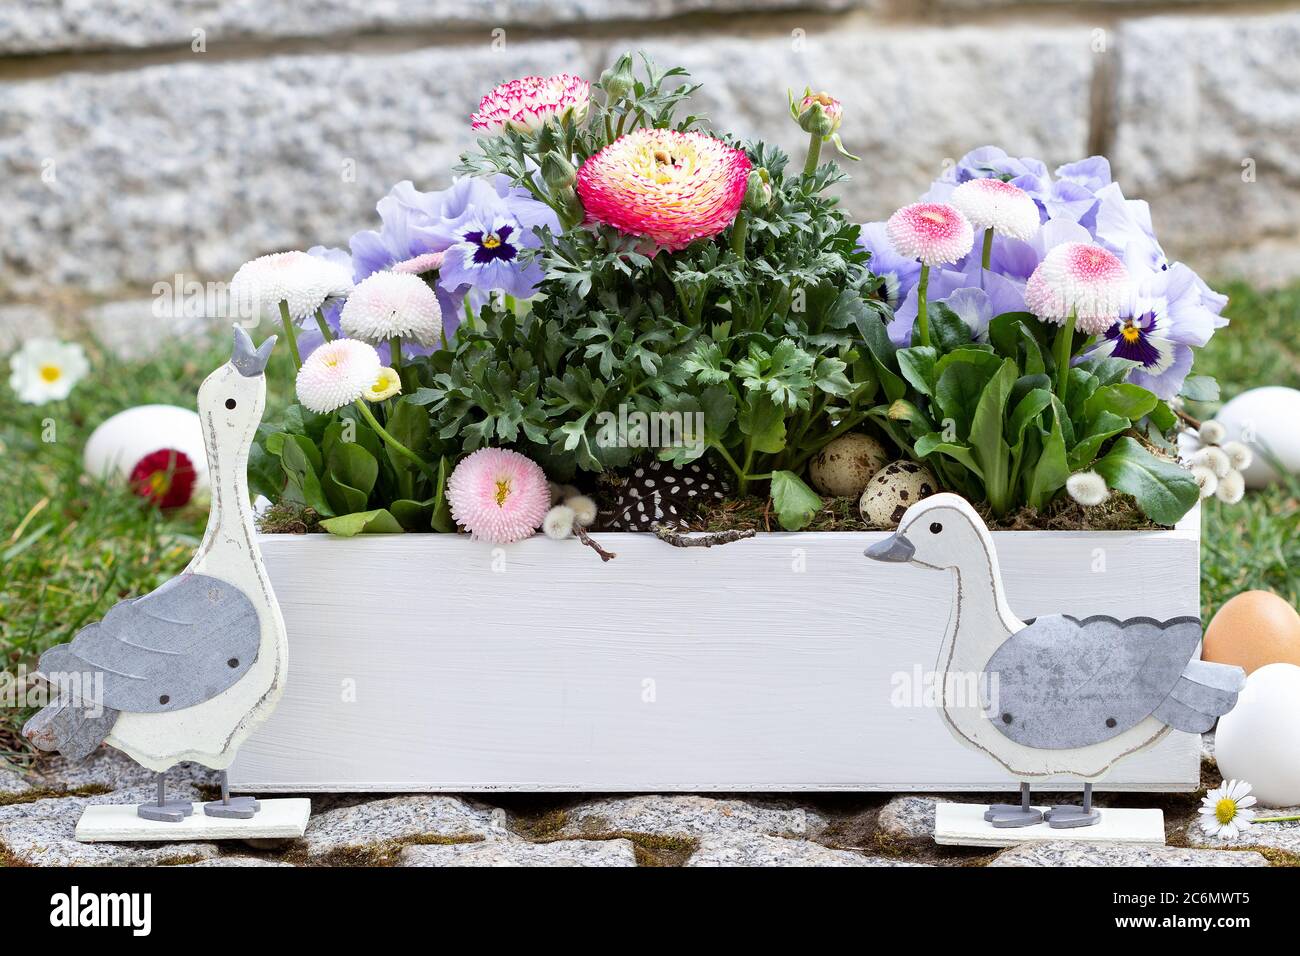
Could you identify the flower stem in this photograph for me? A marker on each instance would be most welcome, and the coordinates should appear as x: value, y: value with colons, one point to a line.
x: 1287, y: 819
x: 324, y: 326
x: 814, y: 154
x: 922, y: 318
x: 739, y: 232
x: 393, y: 443
x: 395, y: 353
x: 988, y: 249
x: 1064, y: 349
x: 289, y: 334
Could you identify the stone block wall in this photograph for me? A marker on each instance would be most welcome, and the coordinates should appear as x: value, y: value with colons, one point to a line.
x: 138, y: 141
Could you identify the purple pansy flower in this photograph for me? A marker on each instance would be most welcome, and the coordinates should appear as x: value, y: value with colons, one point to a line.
x: 1165, y: 320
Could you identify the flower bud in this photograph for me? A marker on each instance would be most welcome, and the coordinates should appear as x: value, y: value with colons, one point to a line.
x: 618, y: 80
x: 758, y: 190
x: 818, y: 113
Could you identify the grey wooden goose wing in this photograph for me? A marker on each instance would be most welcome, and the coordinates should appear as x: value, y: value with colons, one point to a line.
x: 1061, y: 683
x: 176, y: 647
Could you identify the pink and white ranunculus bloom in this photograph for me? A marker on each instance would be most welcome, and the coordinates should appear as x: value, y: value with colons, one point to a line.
x: 669, y: 186
x: 1079, y: 278
x: 993, y: 204
x: 526, y: 104
x: 934, y: 232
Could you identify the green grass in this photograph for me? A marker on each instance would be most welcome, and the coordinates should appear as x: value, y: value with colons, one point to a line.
x: 71, y: 548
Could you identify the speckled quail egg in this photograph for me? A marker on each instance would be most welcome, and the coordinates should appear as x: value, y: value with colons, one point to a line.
x: 894, y: 489
x: 843, y: 468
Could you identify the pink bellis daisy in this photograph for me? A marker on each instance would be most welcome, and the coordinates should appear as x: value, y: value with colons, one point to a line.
x: 668, y: 186
x: 526, y: 104
x: 498, y: 495
x: 337, y: 374
x: 392, y: 305
x: 936, y: 234
x: 999, y: 208
x: 1081, y: 280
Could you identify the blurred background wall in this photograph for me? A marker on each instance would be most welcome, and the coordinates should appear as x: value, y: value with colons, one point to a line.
x: 142, y: 140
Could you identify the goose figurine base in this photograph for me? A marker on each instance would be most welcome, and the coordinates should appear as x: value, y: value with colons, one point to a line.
x: 189, y: 670
x: 1060, y: 696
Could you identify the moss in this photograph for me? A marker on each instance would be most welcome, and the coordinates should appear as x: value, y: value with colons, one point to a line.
x: 180, y: 859
x: 1117, y: 513
x: 384, y: 853
x: 1275, y: 856
x: 654, y: 850
x: 8, y: 859
x: 285, y: 517
x: 545, y: 826
x: 43, y: 793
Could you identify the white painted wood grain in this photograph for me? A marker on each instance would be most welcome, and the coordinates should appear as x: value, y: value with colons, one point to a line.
x: 963, y: 824
x: 433, y: 662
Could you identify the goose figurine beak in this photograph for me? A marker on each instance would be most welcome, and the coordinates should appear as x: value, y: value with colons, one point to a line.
x: 894, y: 548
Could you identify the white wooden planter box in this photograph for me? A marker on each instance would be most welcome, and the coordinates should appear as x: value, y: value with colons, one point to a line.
x: 433, y: 662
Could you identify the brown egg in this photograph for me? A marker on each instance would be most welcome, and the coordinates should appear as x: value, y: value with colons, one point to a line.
x: 1253, y: 629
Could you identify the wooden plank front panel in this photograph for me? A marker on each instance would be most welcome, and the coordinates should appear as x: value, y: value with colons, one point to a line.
x: 432, y: 662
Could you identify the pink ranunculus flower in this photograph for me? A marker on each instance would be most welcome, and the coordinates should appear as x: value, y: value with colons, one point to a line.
x: 527, y: 103
x: 498, y: 495
x: 669, y: 186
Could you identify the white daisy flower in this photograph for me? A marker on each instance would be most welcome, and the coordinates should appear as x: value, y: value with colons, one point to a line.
x: 337, y: 374
x: 300, y: 280
x: 389, y: 304
x: 45, y: 370
x: 1225, y: 810
x: 993, y: 204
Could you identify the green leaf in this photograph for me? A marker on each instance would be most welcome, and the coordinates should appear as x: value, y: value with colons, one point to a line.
x: 412, y: 515
x: 1125, y: 399
x: 300, y: 459
x: 350, y: 475
x: 947, y: 329
x: 1052, y: 469
x: 719, y: 407
x: 933, y: 443
x: 378, y: 521
x: 1104, y: 426
x: 986, y: 435
x: 794, y: 501
x: 1200, y: 388
x: 1163, y: 417
x: 763, y: 422
x: 917, y: 365
x: 959, y: 391
x: 1163, y: 490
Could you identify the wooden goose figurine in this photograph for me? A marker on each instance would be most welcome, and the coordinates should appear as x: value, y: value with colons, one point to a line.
x: 189, y: 670
x: 1062, y: 695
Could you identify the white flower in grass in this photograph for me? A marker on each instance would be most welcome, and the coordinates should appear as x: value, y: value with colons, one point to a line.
x: 389, y: 304
x: 993, y: 204
x: 1225, y: 810
x: 337, y: 374
x: 1087, y: 487
x: 45, y: 370
x: 302, y: 281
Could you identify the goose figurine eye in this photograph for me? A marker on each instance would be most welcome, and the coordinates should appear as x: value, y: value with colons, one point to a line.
x: 935, y: 528
x: 231, y: 403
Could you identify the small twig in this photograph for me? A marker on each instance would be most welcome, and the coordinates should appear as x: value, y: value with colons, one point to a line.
x: 1187, y: 418
x: 706, y: 540
x: 589, y: 541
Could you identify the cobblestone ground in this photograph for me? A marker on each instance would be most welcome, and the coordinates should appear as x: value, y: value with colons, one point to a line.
x: 39, y: 811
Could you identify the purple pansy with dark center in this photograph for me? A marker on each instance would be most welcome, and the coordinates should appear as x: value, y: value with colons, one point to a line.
x: 483, y: 251
x: 1158, y: 330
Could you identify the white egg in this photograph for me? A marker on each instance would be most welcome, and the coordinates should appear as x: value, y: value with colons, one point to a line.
x: 1265, y: 419
x: 118, y: 444
x: 1257, y: 740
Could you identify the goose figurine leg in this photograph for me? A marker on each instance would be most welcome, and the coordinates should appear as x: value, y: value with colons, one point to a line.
x: 162, y: 809
x: 1008, y: 815
x: 1067, y: 816
x: 231, y: 808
